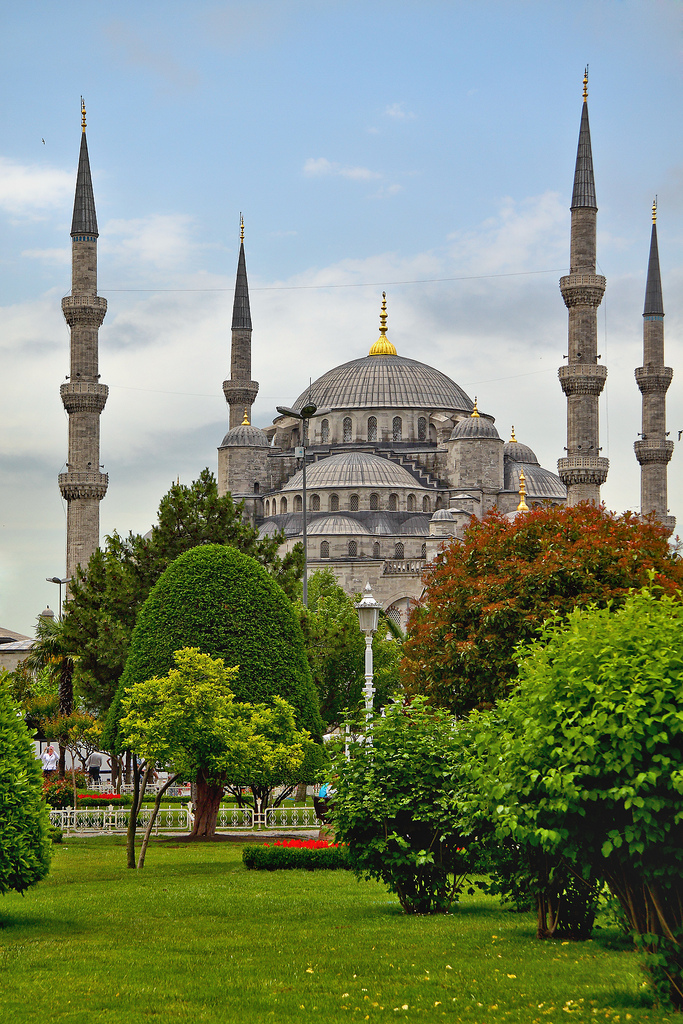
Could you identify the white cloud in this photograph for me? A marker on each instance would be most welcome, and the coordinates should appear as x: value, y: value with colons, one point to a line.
x: 62, y: 257
x: 398, y: 112
x: 317, y: 167
x: 134, y: 51
x: 27, y: 188
x: 161, y: 241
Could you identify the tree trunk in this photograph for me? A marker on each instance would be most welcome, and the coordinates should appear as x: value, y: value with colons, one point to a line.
x: 66, y: 687
x: 206, y: 810
x: 62, y: 761
x: 152, y: 818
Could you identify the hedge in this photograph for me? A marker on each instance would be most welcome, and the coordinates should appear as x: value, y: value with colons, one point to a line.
x: 264, y: 857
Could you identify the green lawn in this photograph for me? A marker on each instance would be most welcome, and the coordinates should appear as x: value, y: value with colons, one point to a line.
x: 195, y: 937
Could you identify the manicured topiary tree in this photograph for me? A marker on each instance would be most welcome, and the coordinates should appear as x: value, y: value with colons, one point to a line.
x: 25, y: 846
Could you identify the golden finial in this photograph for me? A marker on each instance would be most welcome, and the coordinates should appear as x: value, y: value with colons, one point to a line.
x: 383, y: 346
x: 245, y: 421
x: 475, y: 411
x: 513, y: 439
x: 585, y: 85
x: 654, y: 210
x: 82, y: 113
x: 241, y: 228
x: 522, y: 507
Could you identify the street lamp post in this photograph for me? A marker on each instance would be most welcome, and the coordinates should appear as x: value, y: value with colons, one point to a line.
x: 56, y: 579
x: 300, y: 452
x: 368, y: 618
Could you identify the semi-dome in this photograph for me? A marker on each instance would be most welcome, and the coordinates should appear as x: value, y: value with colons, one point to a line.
x: 352, y: 469
x: 540, y: 483
x: 385, y: 382
x: 474, y: 426
x: 337, y: 524
x: 245, y: 436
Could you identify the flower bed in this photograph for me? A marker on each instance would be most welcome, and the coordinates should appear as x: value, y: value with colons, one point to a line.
x: 285, y: 854
x: 104, y: 799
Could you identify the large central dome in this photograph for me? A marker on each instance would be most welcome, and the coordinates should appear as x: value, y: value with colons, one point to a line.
x: 385, y: 382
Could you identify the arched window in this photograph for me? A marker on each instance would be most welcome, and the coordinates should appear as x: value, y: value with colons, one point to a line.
x: 393, y: 502
x: 298, y: 503
x: 348, y: 429
x: 439, y: 502
x: 411, y: 503
x: 397, y: 428
x: 376, y: 550
x: 267, y: 508
x: 315, y: 503
x: 325, y: 431
x: 425, y: 504
x: 423, y: 551
x: 256, y: 487
x: 422, y: 429
x: 283, y: 505
x: 372, y: 428
x: 398, y: 550
x: 295, y: 437
x: 334, y: 503
x: 374, y: 502
x: 353, y: 549
x: 353, y: 502
x: 325, y: 549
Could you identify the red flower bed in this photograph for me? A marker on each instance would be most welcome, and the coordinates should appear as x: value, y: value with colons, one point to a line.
x: 99, y: 797
x: 306, y: 844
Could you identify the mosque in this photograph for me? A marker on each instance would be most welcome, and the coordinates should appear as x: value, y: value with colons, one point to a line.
x: 387, y: 456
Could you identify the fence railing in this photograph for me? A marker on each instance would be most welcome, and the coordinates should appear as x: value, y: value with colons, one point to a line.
x: 103, y: 820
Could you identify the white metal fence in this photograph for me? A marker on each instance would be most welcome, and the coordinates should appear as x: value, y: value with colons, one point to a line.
x: 98, y: 821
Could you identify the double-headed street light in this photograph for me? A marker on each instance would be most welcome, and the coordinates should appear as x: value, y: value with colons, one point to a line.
x: 56, y: 579
x: 300, y: 452
x: 368, y: 618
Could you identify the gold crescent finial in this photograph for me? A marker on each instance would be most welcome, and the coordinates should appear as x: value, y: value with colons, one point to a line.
x: 241, y: 228
x: 585, y: 85
x: 475, y: 411
x: 245, y: 421
x: 82, y: 114
x: 513, y: 439
x: 654, y: 210
x: 522, y: 507
x: 383, y: 346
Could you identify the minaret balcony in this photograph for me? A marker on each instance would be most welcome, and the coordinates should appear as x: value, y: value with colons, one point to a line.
x: 582, y: 378
x: 653, y: 380
x: 583, y: 469
x: 657, y: 450
x: 583, y: 289
x: 74, y: 485
x: 240, y: 392
x: 84, y: 310
x: 82, y: 396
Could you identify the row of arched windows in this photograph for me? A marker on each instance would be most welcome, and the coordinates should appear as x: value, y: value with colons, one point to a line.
x: 352, y: 549
x: 314, y: 503
x: 396, y: 429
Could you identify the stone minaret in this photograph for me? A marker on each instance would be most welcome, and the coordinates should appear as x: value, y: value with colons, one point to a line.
x: 240, y: 391
x: 83, y: 486
x: 582, y: 380
x: 654, y: 450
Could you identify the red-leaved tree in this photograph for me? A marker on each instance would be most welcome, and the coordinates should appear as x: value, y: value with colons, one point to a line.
x: 496, y: 589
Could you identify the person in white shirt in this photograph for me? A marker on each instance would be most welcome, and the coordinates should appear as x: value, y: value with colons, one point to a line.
x: 50, y: 759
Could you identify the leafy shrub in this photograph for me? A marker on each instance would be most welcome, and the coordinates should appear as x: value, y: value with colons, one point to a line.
x: 25, y: 848
x: 56, y: 835
x: 59, y: 793
x: 392, y: 809
x: 313, y: 856
x: 104, y: 799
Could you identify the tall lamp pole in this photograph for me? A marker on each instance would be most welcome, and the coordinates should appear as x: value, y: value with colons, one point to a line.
x: 300, y: 453
x: 56, y: 579
x: 368, y: 618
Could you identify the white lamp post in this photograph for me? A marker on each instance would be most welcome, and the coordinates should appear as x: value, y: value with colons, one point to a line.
x: 368, y: 617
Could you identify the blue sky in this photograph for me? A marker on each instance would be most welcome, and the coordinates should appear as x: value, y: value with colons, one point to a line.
x: 367, y: 144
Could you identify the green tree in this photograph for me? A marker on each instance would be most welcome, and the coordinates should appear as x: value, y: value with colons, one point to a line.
x: 53, y: 654
x: 106, y: 595
x: 189, y: 721
x: 589, y: 767
x: 496, y: 589
x: 336, y: 650
x: 25, y: 847
x: 392, y: 807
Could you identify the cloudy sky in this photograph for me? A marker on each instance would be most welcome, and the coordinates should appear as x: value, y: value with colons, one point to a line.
x: 424, y: 147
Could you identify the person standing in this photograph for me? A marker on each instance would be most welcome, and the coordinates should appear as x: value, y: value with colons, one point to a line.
x: 50, y: 759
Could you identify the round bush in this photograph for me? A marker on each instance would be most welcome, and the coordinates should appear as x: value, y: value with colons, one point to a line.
x: 223, y: 602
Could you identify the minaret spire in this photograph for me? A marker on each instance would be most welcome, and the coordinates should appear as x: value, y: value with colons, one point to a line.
x: 83, y: 397
x: 240, y: 391
x: 582, y: 380
x: 654, y: 450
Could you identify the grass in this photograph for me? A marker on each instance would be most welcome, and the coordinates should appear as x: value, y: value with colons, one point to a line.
x: 196, y: 937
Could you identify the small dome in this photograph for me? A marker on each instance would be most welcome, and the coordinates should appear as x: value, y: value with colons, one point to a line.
x: 245, y: 436
x: 474, y: 426
x: 514, y: 451
x: 353, y: 469
x: 540, y: 483
x: 441, y: 514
